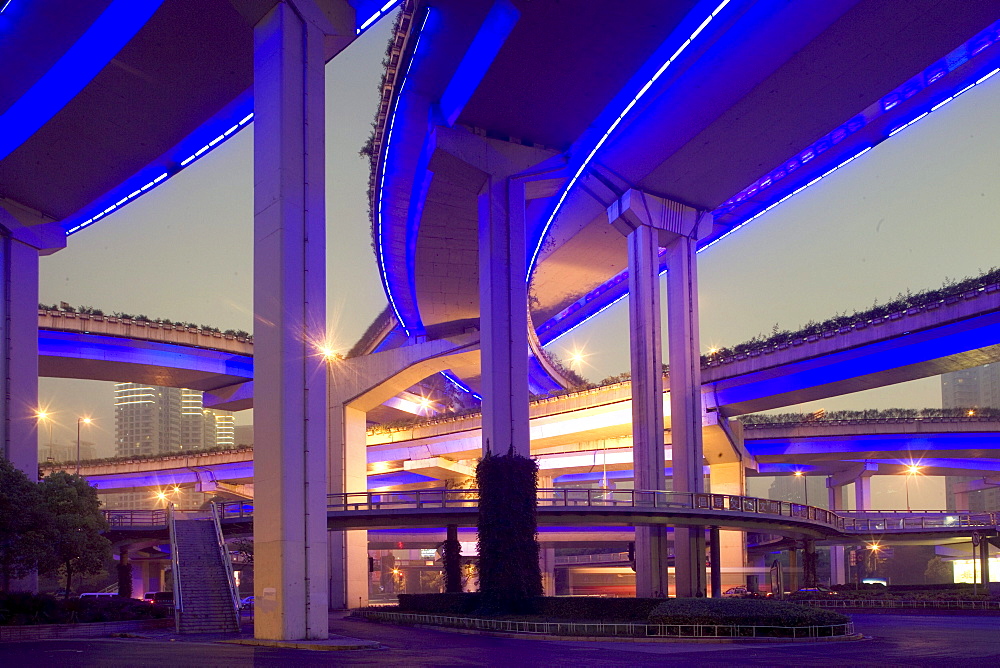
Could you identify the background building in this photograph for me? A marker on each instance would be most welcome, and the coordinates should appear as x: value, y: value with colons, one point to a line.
x: 151, y: 420
x: 978, y: 387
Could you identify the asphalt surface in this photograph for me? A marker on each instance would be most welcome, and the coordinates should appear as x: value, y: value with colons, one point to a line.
x: 894, y: 640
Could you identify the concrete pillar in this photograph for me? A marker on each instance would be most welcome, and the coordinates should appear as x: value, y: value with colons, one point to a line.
x: 838, y: 571
x: 650, y: 222
x: 715, y: 561
x: 348, y: 473
x: 20, y: 245
x: 863, y: 493
x: 793, y: 570
x: 290, y: 379
x: 503, y: 304
x: 809, y: 562
x: 730, y: 478
x: 547, y: 562
x: 984, y: 561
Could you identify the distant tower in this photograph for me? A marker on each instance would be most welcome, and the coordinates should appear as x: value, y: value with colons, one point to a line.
x: 152, y: 420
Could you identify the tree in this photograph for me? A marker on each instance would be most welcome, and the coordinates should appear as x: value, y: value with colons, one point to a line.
x: 938, y: 571
x: 22, y: 524
x: 75, y: 520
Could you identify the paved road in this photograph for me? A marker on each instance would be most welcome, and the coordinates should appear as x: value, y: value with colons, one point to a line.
x: 896, y: 640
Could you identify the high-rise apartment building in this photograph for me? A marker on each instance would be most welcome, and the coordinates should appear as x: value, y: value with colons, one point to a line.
x: 978, y: 387
x: 151, y: 420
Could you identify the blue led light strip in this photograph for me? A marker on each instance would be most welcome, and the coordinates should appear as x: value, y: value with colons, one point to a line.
x: 5, y: 5
x: 590, y: 156
x: 460, y: 385
x: 142, y: 190
x: 386, y: 8
x: 381, y: 182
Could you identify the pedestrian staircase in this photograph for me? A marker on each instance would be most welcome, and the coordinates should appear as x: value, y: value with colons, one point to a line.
x: 205, y: 598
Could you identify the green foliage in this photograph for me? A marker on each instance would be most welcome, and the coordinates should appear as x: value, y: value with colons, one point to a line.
x: 451, y: 603
x: 509, y: 575
x: 452, y: 565
x: 872, y: 414
x: 22, y: 524
x: 938, y: 571
x: 23, y: 608
x: 75, y: 542
x: 742, y: 612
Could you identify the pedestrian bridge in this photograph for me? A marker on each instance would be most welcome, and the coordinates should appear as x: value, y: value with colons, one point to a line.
x: 597, y: 507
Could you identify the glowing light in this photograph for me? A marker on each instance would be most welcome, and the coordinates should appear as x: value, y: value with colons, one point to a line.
x: 874, y: 547
x: 713, y: 351
x: 798, y: 474
x: 913, y: 469
x: 86, y: 420
x: 971, y: 413
x: 425, y: 404
x: 176, y: 489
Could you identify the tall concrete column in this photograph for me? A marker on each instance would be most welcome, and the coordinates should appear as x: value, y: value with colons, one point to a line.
x: 863, y: 493
x: 20, y: 246
x: 348, y: 473
x: 503, y: 305
x: 651, y: 222
x: 836, y: 502
x: 291, y: 579
x: 715, y: 561
x: 730, y: 478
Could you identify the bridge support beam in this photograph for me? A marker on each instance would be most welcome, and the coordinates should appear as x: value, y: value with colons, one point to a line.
x: 20, y: 246
x: 291, y: 583
x: 649, y: 223
x: 348, y: 473
x: 863, y: 493
x: 730, y: 478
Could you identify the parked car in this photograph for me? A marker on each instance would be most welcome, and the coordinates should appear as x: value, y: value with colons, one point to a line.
x: 246, y: 603
x: 736, y: 592
x: 814, y: 592
x: 96, y: 594
x: 160, y: 598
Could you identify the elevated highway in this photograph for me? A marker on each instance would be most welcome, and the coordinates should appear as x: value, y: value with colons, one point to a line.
x: 727, y: 107
x: 423, y: 455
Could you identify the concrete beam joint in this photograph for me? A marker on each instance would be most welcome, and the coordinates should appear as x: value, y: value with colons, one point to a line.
x: 670, y: 219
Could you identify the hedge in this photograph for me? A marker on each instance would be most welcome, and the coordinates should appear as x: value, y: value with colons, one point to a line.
x: 742, y: 612
x: 21, y: 608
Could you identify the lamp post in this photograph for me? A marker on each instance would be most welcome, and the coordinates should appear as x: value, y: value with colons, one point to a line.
x: 911, y: 471
x: 805, y: 487
x: 79, y: 421
x: 43, y: 416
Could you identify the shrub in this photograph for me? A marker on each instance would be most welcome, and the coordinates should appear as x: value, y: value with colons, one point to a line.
x: 741, y: 612
x: 22, y: 608
x: 597, y: 609
x: 440, y: 604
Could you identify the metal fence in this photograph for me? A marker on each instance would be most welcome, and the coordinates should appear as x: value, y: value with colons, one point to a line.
x: 118, y: 519
x: 876, y: 603
x: 627, y: 630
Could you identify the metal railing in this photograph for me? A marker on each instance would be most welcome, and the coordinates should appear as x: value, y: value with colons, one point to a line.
x: 600, y: 629
x: 118, y: 519
x: 848, y: 522
x: 602, y: 558
x: 227, y: 560
x: 901, y: 520
x: 426, y: 499
x: 175, y: 571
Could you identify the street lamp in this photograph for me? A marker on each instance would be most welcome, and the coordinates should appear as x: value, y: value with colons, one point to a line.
x: 911, y: 471
x: 44, y: 416
x: 805, y: 487
x: 79, y: 421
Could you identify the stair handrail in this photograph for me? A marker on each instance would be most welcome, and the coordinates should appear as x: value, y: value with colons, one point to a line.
x: 231, y: 578
x: 174, y: 561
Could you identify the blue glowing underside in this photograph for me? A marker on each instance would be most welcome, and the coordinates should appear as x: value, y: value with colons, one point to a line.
x: 78, y: 66
x: 908, y: 444
x: 397, y: 478
x: 810, y: 166
x: 916, y: 348
x: 170, y: 477
x: 111, y: 349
